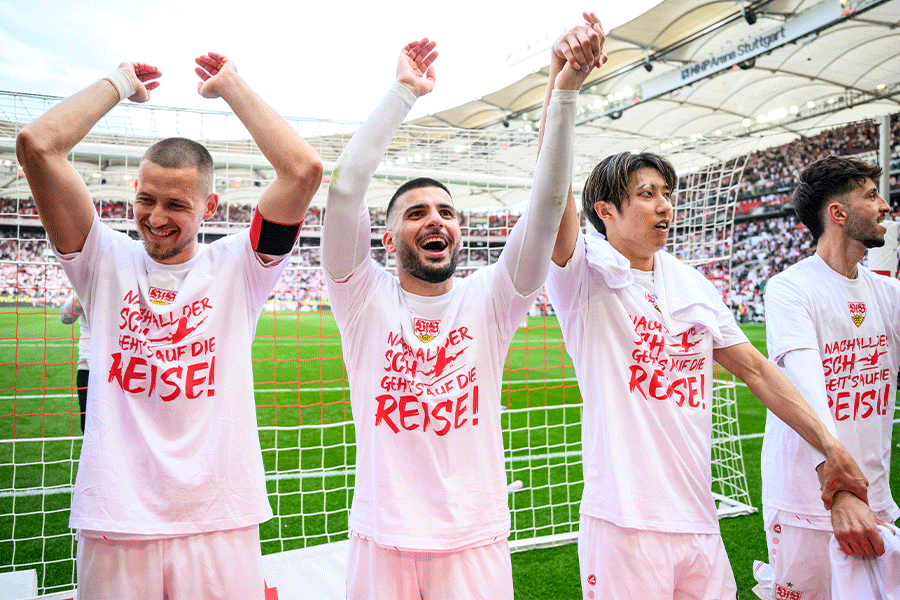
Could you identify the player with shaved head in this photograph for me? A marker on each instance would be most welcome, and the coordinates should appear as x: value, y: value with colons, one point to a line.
x: 170, y: 489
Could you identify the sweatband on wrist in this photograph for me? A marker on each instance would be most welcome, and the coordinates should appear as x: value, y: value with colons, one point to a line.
x: 121, y: 80
x: 269, y: 237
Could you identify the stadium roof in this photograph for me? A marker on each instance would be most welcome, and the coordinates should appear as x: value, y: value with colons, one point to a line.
x: 692, y: 67
x: 690, y: 79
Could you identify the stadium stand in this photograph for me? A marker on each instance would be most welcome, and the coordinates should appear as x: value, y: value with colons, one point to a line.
x: 766, y: 238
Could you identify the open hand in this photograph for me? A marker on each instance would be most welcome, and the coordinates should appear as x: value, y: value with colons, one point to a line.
x: 144, y: 77
x: 414, y: 68
x: 214, y: 70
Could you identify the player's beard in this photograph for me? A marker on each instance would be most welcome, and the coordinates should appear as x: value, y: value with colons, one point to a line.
x: 163, y: 253
x: 865, y: 233
x: 410, y: 261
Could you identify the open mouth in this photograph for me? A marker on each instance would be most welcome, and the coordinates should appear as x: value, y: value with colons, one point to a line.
x: 434, y: 244
x: 663, y: 226
x: 160, y: 233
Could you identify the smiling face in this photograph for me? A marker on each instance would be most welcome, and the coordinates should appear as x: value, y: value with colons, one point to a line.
x: 640, y: 227
x: 424, y: 233
x: 169, y: 206
x: 866, y: 209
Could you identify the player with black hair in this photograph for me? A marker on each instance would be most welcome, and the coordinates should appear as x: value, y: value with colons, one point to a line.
x: 643, y: 330
x: 424, y: 352
x: 833, y: 327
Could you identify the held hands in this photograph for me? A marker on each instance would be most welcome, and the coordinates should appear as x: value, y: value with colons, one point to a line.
x: 215, y: 71
x: 582, y: 49
x: 414, y: 68
x: 840, y: 472
x: 143, y: 76
x: 856, y: 526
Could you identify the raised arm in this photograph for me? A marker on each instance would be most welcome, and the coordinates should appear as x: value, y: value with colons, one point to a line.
x: 579, y: 46
x: 42, y: 147
x: 298, y: 168
x: 346, y: 229
x: 529, y: 248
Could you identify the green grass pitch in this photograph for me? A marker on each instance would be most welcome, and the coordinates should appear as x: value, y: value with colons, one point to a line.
x: 300, y: 380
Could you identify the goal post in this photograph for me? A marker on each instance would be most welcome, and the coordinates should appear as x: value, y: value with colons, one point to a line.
x: 302, y: 395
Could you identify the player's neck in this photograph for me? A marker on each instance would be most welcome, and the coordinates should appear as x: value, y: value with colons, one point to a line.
x: 420, y: 287
x: 841, y: 254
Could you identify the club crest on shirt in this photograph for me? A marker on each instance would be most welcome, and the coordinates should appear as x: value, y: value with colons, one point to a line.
x: 857, y: 312
x: 161, y: 296
x: 787, y: 593
x: 652, y: 300
x: 426, y: 330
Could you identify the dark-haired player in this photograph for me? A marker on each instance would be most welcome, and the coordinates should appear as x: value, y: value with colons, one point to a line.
x: 833, y: 327
x: 425, y: 352
x: 170, y: 489
x: 643, y: 331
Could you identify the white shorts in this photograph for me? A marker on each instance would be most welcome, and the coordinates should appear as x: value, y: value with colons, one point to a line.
x: 376, y: 573
x: 206, y: 566
x: 620, y: 563
x: 799, y: 566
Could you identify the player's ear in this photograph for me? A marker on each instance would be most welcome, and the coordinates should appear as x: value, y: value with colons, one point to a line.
x: 603, y: 209
x: 387, y: 240
x: 836, y: 212
x: 212, y: 203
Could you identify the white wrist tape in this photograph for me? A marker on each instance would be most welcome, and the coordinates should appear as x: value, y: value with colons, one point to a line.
x: 121, y: 79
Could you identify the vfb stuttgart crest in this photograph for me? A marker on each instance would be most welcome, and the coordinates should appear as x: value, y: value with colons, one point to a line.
x: 426, y: 330
x: 161, y: 296
x: 857, y: 312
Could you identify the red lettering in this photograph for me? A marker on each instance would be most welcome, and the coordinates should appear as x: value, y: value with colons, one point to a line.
x: 211, y: 391
x: 460, y: 411
x: 427, y: 418
x: 839, y: 406
x: 692, y: 392
x: 659, y: 382
x: 638, y: 375
x: 657, y: 343
x: 407, y: 413
x: 861, y: 400
x: 131, y: 374
x: 192, y: 381
x: 447, y: 406
x: 677, y: 388
x: 115, y: 371
x: 398, y: 362
x: 167, y: 379
x: 383, y: 412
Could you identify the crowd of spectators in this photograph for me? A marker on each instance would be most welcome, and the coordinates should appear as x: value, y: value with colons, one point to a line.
x: 760, y: 246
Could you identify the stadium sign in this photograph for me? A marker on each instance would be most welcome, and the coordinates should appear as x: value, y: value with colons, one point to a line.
x: 819, y: 17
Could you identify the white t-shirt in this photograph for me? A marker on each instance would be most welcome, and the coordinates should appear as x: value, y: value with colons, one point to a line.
x: 647, y: 390
x: 854, y: 324
x: 171, y: 445
x: 425, y: 378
